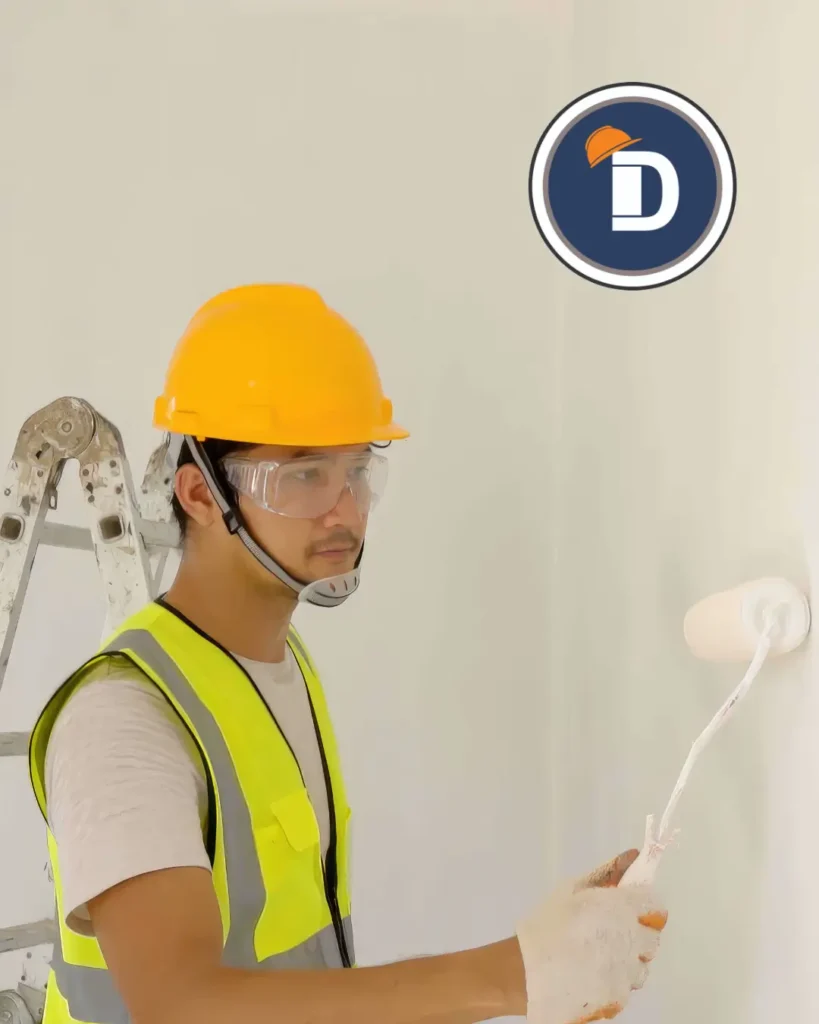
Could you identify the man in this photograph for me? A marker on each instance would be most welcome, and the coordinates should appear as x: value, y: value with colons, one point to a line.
x: 197, y: 814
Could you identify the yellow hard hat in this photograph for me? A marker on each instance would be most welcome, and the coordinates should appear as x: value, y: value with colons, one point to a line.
x: 273, y: 364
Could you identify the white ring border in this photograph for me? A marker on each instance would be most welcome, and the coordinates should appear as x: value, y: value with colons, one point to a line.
x: 610, y: 94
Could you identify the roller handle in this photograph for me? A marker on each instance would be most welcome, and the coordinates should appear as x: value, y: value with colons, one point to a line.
x: 644, y: 869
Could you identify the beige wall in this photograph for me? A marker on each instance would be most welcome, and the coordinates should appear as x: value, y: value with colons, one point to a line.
x: 510, y: 686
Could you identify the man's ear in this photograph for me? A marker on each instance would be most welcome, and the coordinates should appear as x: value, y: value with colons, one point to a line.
x: 194, y: 495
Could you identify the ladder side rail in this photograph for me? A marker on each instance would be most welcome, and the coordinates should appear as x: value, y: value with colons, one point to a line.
x: 51, y: 435
x: 116, y: 530
x: 156, y: 507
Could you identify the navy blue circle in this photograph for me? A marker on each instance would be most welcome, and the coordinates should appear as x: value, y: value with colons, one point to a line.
x: 579, y: 196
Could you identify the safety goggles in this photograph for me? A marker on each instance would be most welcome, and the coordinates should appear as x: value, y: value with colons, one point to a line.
x: 312, y: 486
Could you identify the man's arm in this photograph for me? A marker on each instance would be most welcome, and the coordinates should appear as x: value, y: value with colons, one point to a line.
x: 161, y: 935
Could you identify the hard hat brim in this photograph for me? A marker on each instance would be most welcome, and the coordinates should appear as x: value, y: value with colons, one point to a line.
x: 614, y: 149
x: 262, y: 429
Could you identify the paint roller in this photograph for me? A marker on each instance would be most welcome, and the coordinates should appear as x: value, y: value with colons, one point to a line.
x: 753, y: 621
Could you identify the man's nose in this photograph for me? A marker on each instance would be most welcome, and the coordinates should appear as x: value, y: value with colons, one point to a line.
x: 345, y: 511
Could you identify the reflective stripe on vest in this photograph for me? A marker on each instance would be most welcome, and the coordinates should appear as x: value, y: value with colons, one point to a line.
x: 80, y: 988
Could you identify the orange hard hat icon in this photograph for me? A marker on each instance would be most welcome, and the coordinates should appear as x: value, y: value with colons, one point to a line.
x: 605, y: 141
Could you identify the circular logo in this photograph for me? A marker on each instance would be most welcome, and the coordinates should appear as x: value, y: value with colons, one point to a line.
x: 632, y: 186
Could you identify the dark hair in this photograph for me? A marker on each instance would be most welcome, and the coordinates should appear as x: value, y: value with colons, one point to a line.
x: 215, y: 449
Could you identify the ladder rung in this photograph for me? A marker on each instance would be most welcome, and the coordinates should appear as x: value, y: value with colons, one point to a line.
x: 14, y: 744
x: 154, y: 535
x: 24, y: 936
x: 58, y: 535
x: 159, y: 535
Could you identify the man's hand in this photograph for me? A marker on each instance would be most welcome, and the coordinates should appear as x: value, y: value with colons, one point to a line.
x: 589, y: 946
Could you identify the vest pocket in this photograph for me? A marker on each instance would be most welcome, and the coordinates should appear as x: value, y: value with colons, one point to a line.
x: 289, y: 847
x: 295, y: 814
x: 290, y: 859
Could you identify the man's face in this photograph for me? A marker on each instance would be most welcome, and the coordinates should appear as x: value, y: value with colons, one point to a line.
x: 310, y: 547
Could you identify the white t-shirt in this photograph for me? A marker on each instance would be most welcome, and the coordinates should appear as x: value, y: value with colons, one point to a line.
x: 125, y: 783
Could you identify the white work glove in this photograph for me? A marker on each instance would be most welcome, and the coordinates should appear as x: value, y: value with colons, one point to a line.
x: 589, y: 946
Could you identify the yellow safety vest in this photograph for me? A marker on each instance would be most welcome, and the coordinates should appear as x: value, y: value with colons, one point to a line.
x: 282, y: 904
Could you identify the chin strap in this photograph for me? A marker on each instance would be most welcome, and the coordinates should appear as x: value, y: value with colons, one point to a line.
x: 325, y: 593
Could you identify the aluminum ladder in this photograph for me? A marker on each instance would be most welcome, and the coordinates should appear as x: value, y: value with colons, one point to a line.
x: 131, y: 538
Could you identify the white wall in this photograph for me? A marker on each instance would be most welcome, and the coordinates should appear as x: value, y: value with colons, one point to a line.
x: 687, y: 457
x: 510, y: 686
